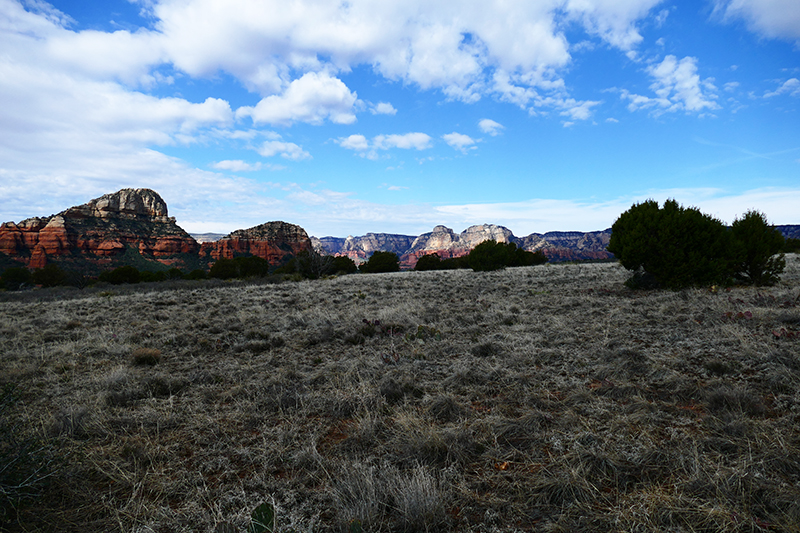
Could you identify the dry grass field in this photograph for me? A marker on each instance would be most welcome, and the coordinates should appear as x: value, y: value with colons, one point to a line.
x: 546, y: 398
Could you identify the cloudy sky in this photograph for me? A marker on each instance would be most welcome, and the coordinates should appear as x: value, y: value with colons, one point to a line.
x: 351, y: 116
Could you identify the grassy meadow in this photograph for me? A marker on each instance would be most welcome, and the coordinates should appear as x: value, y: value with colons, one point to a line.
x: 547, y: 398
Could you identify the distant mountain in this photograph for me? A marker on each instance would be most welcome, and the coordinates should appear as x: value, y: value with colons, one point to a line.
x: 790, y: 232
x: 207, y: 237
x: 558, y: 246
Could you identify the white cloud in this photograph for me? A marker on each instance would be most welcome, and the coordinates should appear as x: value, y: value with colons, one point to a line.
x: 236, y: 165
x: 284, y: 149
x: 490, y: 127
x: 578, y: 110
x: 459, y: 141
x: 369, y: 149
x: 613, y: 20
x: 311, y: 98
x: 731, y: 86
x: 677, y: 86
x: 354, y: 142
x: 770, y: 18
x: 383, y: 108
x: 407, y: 141
x: 791, y: 87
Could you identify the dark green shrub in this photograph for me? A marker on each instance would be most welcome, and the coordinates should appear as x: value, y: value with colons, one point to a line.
x: 791, y: 246
x: 455, y: 263
x: 118, y: 276
x: 492, y: 255
x: 523, y: 257
x: 152, y: 277
x: 381, y: 262
x: 343, y: 265
x: 252, y: 266
x: 429, y: 262
x: 757, y: 247
x: 224, y: 269
x: 198, y: 273
x: 240, y: 267
x: 50, y: 276
x: 16, y: 278
x: 175, y: 273
x: 677, y: 246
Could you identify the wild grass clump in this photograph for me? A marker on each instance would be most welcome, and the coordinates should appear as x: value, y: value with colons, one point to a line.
x: 146, y: 357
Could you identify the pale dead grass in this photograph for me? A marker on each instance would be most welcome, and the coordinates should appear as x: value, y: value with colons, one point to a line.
x: 547, y: 398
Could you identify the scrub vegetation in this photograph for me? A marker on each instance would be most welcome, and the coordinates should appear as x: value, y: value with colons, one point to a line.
x: 538, y: 398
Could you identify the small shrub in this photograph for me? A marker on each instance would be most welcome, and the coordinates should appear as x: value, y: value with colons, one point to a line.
x: 381, y: 262
x: 50, y: 276
x: 757, y: 247
x: 17, y: 278
x: 429, y: 262
x: 118, y: 276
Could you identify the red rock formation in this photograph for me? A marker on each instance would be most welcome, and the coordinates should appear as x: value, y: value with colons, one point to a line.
x: 100, y: 232
x: 276, y: 242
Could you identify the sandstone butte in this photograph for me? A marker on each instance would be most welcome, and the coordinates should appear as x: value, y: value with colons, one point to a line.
x: 133, y: 225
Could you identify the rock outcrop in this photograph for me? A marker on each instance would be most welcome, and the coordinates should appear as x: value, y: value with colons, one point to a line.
x: 360, y: 248
x: 100, y: 233
x: 133, y: 227
x: 276, y: 242
x: 558, y: 246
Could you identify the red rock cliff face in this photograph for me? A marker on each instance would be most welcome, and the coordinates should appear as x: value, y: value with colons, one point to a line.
x: 276, y: 242
x: 100, y: 232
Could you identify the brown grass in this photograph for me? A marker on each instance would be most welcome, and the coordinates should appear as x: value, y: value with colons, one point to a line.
x: 544, y: 398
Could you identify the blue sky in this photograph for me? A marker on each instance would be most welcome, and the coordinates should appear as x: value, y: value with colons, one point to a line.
x: 348, y: 117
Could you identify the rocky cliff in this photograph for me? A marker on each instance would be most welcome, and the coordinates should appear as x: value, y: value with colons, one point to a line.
x: 276, y: 242
x: 100, y: 233
x: 133, y: 227
x: 558, y: 246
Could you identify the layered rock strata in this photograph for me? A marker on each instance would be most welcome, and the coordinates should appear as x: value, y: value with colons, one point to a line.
x: 99, y: 232
x: 276, y: 242
x: 558, y: 246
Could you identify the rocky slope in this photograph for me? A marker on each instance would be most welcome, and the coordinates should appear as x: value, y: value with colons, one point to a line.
x: 276, y: 242
x: 133, y: 227
x: 558, y: 246
x: 104, y: 232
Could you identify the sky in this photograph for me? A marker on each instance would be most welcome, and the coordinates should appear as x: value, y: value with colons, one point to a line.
x: 355, y: 116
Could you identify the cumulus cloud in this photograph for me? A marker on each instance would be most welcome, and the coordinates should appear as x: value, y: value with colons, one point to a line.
x: 677, y: 86
x: 790, y: 87
x: 459, y: 141
x: 383, y: 108
x: 311, y: 98
x: 612, y: 20
x: 769, y: 18
x: 369, y: 148
x: 406, y: 141
x: 286, y: 150
x: 490, y: 127
x: 354, y: 142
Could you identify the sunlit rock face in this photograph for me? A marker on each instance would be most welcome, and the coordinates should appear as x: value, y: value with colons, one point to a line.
x: 101, y: 233
x: 276, y: 242
x: 558, y: 246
